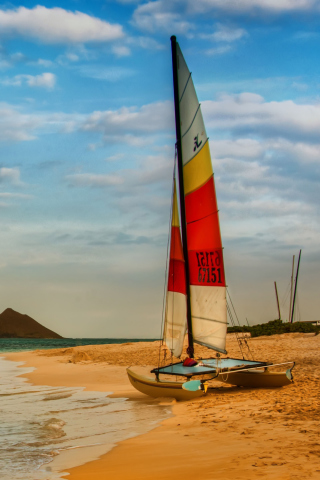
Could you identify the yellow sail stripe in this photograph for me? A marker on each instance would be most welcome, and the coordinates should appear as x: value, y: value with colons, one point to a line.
x: 198, y: 170
x: 175, y: 214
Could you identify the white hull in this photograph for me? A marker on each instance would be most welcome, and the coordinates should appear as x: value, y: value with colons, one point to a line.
x: 250, y: 379
x: 256, y: 379
x: 155, y: 388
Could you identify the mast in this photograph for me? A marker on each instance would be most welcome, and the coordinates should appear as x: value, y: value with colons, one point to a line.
x: 190, y: 349
x: 290, y: 305
x: 295, y: 287
x: 275, y: 286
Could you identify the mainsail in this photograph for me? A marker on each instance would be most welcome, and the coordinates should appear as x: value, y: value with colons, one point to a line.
x: 205, y: 256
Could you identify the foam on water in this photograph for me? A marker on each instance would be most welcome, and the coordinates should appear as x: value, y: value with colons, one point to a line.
x: 39, y: 423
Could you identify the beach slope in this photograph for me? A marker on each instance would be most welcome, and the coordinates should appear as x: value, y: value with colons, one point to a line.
x: 233, y: 433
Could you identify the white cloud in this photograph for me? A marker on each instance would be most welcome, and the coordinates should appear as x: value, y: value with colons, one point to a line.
x: 249, y: 112
x: 94, y: 180
x: 224, y: 33
x: 253, y: 6
x: 111, y: 74
x: 160, y: 15
x: 121, y: 50
x: 44, y: 80
x: 16, y: 126
x: 114, y: 158
x: 11, y: 175
x: 220, y: 50
x: 240, y: 148
x: 151, y: 118
x: 145, y: 42
x: 166, y: 16
x: 10, y: 195
x: 41, y: 62
x: 56, y: 25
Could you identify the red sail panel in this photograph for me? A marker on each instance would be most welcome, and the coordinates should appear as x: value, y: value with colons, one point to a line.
x: 201, y: 202
x: 204, y: 238
x: 177, y: 277
x: 177, y: 273
x: 176, y: 251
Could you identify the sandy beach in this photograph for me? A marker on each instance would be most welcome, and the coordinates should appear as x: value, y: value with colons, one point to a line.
x: 232, y: 433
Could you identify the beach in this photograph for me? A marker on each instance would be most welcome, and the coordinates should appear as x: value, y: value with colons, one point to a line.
x: 232, y: 433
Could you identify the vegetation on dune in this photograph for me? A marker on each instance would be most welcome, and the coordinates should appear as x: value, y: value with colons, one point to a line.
x: 276, y: 327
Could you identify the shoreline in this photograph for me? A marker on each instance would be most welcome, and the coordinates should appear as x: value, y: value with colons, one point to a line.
x: 234, y: 433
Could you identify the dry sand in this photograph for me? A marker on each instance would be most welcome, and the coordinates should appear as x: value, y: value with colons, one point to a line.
x: 233, y: 433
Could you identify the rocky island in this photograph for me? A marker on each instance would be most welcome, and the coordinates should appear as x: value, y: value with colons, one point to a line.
x: 16, y: 325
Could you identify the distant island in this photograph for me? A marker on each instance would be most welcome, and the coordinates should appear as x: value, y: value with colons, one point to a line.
x: 15, y: 325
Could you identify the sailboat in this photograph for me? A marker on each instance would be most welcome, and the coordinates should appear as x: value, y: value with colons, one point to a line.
x: 196, y: 302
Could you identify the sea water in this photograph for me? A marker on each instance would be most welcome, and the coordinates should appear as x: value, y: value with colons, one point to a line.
x: 41, y: 424
x: 23, y: 344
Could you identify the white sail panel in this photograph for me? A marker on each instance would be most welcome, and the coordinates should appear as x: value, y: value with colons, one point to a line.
x: 188, y: 107
x: 183, y: 72
x: 196, y: 135
x: 209, y: 316
x: 175, y: 322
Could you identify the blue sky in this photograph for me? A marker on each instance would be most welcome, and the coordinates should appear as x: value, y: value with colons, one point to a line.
x: 87, y: 145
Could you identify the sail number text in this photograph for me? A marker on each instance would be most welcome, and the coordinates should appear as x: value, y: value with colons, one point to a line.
x: 209, y: 267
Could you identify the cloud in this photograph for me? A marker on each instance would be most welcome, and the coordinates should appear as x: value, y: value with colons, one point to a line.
x: 121, y: 50
x: 240, y: 148
x: 11, y: 175
x: 220, y: 50
x: 41, y: 62
x: 111, y: 74
x: 44, y: 80
x: 16, y: 126
x: 248, y: 112
x: 227, y: 34
x: 127, y: 125
x: 145, y: 42
x: 94, y: 180
x: 115, y: 158
x: 173, y: 16
x: 56, y: 25
x: 15, y: 195
x: 151, y: 118
x: 160, y: 15
x: 252, y: 7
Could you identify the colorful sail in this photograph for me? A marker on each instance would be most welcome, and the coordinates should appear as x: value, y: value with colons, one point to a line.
x: 206, y: 268
x: 175, y: 313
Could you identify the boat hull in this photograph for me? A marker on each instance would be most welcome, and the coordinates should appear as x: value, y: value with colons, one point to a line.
x: 256, y: 379
x: 155, y: 388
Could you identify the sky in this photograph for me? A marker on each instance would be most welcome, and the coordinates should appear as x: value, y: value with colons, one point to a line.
x: 87, y: 148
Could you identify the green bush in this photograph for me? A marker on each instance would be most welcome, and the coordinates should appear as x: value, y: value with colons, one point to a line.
x: 276, y: 327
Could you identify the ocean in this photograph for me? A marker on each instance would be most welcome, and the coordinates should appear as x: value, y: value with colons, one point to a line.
x: 42, y: 427
x: 21, y: 344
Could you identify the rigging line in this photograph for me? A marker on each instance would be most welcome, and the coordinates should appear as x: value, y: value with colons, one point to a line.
x: 185, y: 87
x: 233, y: 324
x: 243, y: 335
x: 167, y: 262
x: 286, y: 294
x: 233, y: 307
x: 192, y: 122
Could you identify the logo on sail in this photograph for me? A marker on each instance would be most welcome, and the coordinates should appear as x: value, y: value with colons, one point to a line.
x: 196, y: 143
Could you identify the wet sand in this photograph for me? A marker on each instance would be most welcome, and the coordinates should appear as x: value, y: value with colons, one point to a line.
x: 233, y: 433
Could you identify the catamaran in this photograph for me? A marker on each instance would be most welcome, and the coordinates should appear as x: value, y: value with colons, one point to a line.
x: 196, y: 302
